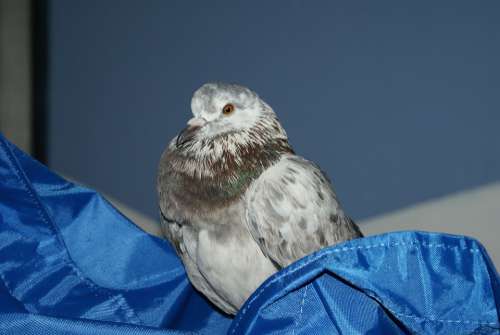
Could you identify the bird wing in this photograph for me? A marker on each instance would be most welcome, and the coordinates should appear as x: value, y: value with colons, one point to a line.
x: 292, y: 210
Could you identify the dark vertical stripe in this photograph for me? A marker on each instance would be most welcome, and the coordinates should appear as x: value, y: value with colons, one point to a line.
x: 40, y: 39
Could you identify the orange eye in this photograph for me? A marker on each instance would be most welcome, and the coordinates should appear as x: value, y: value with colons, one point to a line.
x: 228, y: 109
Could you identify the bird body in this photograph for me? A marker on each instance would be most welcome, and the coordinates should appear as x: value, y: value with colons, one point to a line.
x: 236, y: 203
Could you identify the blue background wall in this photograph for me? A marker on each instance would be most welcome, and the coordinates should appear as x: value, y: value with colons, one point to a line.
x: 397, y: 101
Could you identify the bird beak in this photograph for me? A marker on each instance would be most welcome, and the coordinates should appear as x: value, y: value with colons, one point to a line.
x: 188, y: 133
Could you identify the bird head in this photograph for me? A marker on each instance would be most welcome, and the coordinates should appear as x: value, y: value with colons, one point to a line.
x: 231, y: 113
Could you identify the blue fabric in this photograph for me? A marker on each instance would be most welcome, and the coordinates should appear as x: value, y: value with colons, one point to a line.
x: 70, y: 263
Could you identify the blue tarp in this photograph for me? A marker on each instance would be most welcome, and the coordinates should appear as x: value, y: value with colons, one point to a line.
x: 70, y: 263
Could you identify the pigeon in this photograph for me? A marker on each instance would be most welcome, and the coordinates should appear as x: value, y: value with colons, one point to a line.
x: 236, y: 203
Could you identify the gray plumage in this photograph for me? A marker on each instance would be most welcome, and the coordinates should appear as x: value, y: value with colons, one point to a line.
x: 236, y: 203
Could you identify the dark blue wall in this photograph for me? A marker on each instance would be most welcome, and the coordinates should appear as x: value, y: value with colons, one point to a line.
x: 397, y: 101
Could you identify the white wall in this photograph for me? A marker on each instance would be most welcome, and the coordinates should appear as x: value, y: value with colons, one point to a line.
x: 473, y: 212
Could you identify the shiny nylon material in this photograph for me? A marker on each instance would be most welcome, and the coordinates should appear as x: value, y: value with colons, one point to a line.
x: 70, y: 263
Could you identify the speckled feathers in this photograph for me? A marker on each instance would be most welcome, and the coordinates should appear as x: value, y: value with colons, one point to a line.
x: 236, y: 202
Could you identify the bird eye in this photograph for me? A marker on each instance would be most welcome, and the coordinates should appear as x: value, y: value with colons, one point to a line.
x: 228, y: 109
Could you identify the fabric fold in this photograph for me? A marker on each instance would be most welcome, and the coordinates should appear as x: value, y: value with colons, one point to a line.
x: 66, y: 252
x: 415, y: 282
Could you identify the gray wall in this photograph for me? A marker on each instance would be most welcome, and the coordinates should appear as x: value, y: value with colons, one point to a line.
x: 397, y: 101
x: 15, y: 72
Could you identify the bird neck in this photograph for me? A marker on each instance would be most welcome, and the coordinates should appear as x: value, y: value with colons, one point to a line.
x: 252, y: 161
x: 219, y: 179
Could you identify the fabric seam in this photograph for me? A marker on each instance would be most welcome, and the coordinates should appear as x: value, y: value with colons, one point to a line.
x: 327, y: 252
x: 299, y: 319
